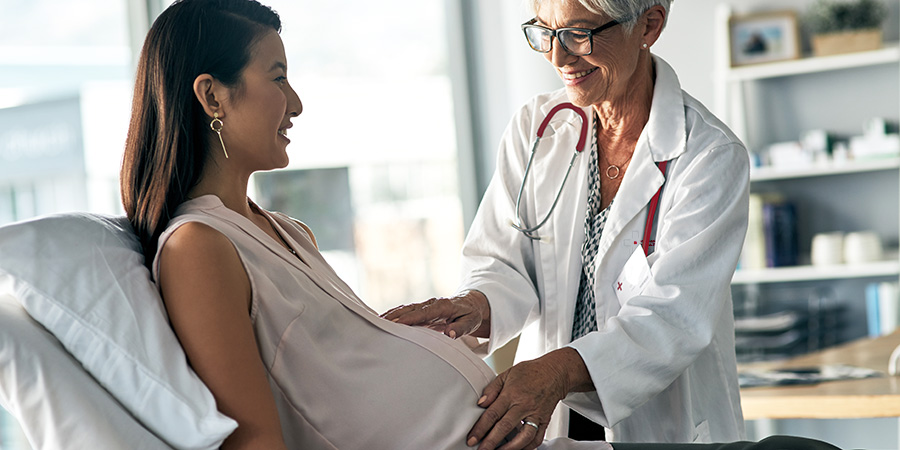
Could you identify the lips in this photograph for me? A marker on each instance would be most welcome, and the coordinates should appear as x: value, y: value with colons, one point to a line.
x: 283, y: 130
x: 571, y: 76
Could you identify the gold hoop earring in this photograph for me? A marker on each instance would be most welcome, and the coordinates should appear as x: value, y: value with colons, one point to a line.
x: 217, y: 125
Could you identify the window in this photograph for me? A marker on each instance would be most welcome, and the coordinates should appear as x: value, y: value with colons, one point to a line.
x: 377, y: 124
x: 65, y: 94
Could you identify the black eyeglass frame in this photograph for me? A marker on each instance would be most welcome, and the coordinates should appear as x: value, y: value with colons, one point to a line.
x: 555, y: 34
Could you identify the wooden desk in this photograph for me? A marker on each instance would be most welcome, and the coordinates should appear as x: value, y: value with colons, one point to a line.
x: 869, y: 397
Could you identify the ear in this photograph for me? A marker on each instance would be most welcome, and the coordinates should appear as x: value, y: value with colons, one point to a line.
x: 655, y: 18
x: 210, y: 94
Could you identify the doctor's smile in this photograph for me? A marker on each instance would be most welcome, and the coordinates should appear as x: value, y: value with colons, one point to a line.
x: 572, y: 78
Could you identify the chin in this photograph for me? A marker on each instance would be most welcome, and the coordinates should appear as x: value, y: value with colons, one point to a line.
x: 283, y: 162
x: 577, y: 99
x: 280, y: 159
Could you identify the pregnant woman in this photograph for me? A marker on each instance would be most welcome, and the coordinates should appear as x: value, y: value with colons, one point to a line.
x: 286, y: 347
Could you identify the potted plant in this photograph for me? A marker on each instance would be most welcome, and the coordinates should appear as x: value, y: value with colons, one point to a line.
x: 844, y: 26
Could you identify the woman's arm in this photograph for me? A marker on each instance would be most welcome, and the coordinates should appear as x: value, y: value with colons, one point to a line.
x: 207, y: 296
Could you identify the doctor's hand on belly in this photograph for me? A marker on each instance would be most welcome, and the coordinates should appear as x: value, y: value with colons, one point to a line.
x: 521, y: 398
x: 468, y: 313
x: 525, y: 396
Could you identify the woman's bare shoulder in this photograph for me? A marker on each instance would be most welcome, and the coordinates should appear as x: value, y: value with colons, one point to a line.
x: 196, y: 238
x: 197, y: 255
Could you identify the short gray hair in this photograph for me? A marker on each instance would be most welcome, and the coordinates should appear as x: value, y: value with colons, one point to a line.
x: 625, y: 11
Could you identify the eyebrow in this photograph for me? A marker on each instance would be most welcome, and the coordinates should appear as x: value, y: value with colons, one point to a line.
x: 578, y: 23
x: 278, y: 65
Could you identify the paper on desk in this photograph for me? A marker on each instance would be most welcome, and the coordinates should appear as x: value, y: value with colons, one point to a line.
x: 783, y: 320
x: 804, y: 375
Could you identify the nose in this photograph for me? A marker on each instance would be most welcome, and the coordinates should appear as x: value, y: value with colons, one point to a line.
x: 294, y: 105
x: 557, y: 55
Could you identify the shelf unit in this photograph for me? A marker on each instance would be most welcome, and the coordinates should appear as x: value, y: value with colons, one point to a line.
x: 730, y: 82
x: 830, y: 168
x: 890, y: 267
x: 845, y: 191
x: 890, y: 54
x: 817, y: 273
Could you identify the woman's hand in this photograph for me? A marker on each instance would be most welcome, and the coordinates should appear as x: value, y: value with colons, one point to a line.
x: 468, y: 313
x: 524, y: 398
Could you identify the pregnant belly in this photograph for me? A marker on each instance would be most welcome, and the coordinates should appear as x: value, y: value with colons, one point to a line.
x: 387, y: 386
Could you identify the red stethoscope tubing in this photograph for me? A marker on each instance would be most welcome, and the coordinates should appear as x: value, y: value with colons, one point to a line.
x: 581, y: 139
x: 651, y: 214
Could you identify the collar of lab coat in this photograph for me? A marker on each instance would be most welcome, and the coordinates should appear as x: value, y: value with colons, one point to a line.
x: 665, y: 129
x: 662, y: 139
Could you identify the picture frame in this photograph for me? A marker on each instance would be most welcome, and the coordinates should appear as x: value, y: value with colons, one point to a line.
x: 763, y: 38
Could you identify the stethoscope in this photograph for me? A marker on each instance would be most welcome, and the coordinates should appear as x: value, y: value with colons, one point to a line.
x: 646, y: 243
x: 579, y: 147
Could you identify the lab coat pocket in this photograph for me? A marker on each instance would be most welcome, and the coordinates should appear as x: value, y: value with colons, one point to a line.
x: 634, y: 276
x: 701, y: 433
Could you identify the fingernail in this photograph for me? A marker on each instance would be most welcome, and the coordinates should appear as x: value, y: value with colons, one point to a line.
x: 472, y: 441
x: 482, y: 399
x: 396, y: 320
x: 452, y: 334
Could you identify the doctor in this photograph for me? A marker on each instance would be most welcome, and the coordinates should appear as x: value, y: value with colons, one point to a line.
x: 621, y: 290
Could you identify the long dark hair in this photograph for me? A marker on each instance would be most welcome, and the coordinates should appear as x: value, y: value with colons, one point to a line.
x: 166, y: 149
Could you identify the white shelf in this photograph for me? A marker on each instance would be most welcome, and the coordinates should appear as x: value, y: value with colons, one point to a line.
x: 813, y: 273
x: 889, y: 54
x: 783, y: 173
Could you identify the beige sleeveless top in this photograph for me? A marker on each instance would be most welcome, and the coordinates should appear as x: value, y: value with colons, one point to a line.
x: 343, y: 377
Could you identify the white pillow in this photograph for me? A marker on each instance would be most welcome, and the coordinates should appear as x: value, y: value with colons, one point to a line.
x: 82, y: 277
x: 56, y: 401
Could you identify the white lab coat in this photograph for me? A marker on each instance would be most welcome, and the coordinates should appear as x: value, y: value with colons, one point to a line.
x: 663, y: 360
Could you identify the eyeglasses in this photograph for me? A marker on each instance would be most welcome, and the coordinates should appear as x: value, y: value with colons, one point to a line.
x: 575, y: 41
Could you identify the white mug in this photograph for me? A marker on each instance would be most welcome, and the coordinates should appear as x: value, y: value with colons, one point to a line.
x: 827, y: 249
x: 862, y: 247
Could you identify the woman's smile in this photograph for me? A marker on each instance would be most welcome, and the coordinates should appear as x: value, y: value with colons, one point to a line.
x: 572, y: 78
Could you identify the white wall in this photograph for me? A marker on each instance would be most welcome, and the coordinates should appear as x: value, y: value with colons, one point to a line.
x: 687, y: 45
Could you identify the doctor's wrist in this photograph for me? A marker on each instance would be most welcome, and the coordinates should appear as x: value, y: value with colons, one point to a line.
x: 479, y: 302
x: 574, y: 373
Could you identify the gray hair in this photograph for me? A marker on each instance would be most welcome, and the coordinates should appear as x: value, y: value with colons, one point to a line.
x: 625, y: 11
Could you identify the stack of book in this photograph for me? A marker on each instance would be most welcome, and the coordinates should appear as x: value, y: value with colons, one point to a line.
x: 771, y: 233
x: 882, y: 308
